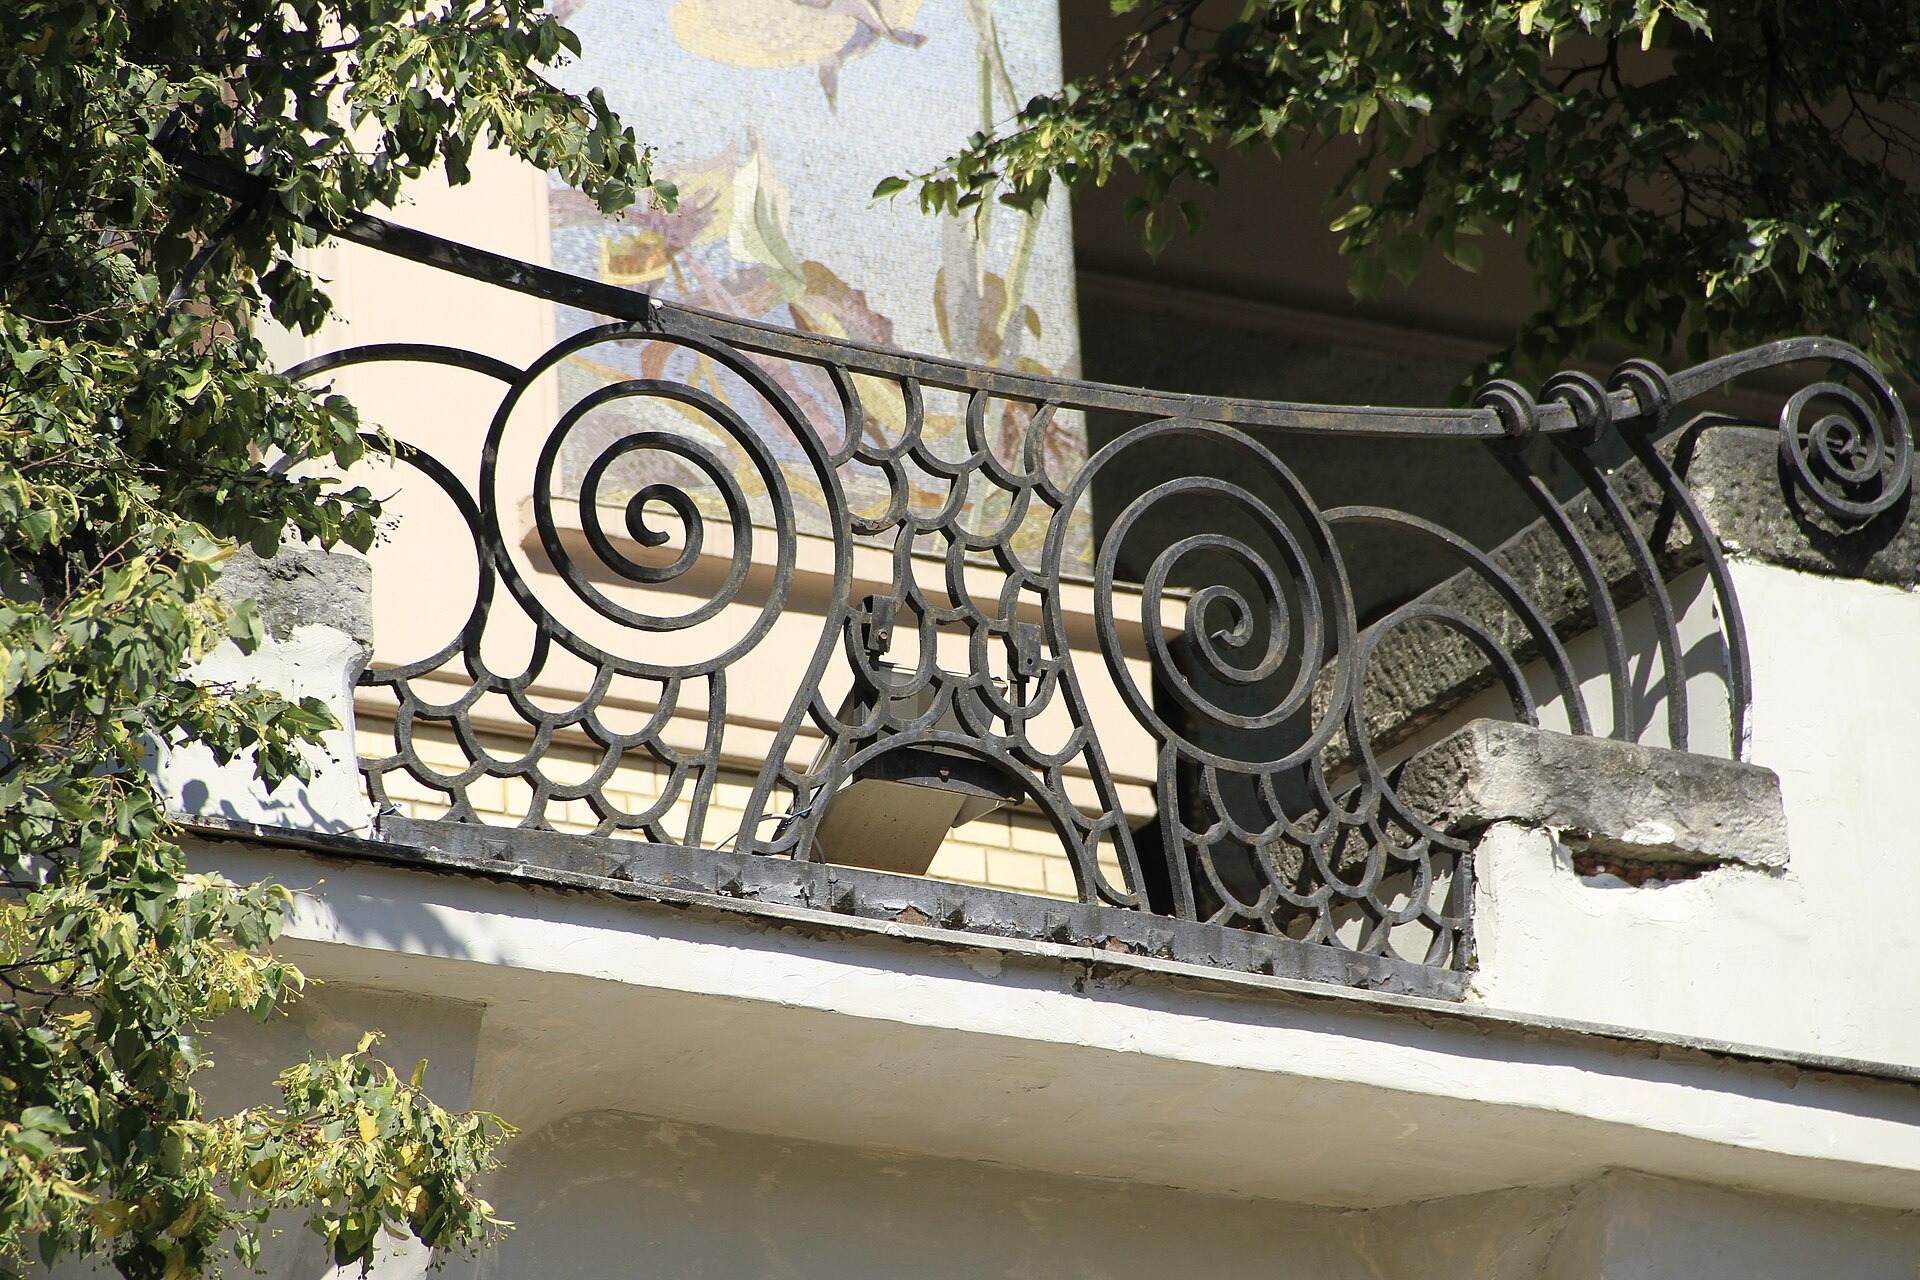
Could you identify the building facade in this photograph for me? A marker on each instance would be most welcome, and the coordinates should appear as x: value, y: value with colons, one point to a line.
x: 863, y: 800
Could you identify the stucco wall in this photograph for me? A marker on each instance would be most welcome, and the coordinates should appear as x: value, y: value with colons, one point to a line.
x: 1816, y: 958
x: 606, y: 1194
x: 609, y: 1193
x: 1050, y: 1058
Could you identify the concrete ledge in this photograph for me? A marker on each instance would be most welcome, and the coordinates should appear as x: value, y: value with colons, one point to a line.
x: 944, y: 906
x: 1042, y: 1056
x: 1108, y: 969
x: 1618, y: 800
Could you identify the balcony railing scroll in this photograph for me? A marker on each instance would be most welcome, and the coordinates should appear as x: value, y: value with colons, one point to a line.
x: 718, y: 473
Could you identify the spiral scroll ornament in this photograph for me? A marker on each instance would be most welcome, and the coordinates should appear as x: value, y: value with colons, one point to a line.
x: 1516, y: 410
x: 460, y: 629
x: 1852, y: 456
x: 1293, y: 611
x: 1652, y: 390
x: 1586, y: 399
x: 725, y: 455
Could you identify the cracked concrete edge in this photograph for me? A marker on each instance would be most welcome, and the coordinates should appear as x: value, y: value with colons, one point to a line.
x: 1620, y: 800
x: 304, y: 586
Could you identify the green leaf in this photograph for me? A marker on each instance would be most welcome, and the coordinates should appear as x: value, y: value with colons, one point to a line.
x: 1467, y: 255
x: 1403, y: 254
x: 33, y: 1142
x: 1366, y: 275
x: 244, y: 625
x: 1351, y: 218
x: 1156, y: 233
x: 36, y: 528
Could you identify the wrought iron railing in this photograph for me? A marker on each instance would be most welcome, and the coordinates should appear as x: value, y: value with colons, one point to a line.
x: 724, y: 469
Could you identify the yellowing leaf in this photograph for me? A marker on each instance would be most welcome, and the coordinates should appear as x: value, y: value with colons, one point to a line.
x: 111, y: 1217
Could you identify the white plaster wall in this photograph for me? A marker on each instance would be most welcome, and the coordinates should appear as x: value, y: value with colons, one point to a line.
x: 1818, y: 959
x: 608, y: 1194
x: 1653, y: 1229
x: 1710, y: 957
x: 312, y: 661
x: 604, y: 1194
x: 1836, y: 714
x: 878, y: 1036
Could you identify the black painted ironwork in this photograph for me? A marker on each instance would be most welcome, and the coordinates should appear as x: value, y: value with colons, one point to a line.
x: 1277, y: 812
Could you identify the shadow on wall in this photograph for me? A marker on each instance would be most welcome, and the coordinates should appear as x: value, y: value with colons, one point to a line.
x: 606, y: 1194
x: 289, y: 806
x: 609, y: 1194
x: 403, y: 911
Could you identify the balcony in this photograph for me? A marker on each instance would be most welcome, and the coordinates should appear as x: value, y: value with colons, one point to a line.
x: 699, y: 606
x: 773, y: 775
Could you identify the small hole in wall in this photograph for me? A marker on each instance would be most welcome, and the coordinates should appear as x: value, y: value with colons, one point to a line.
x: 1588, y: 865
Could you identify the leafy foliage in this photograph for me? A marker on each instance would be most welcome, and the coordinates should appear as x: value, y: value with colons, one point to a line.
x: 1681, y: 172
x: 140, y: 425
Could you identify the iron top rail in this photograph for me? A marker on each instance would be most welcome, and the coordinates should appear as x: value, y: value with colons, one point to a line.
x: 1482, y: 422
x: 935, y: 371
x: 1576, y: 405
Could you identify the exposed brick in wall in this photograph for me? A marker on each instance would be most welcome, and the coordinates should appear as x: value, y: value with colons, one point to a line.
x: 1009, y: 849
